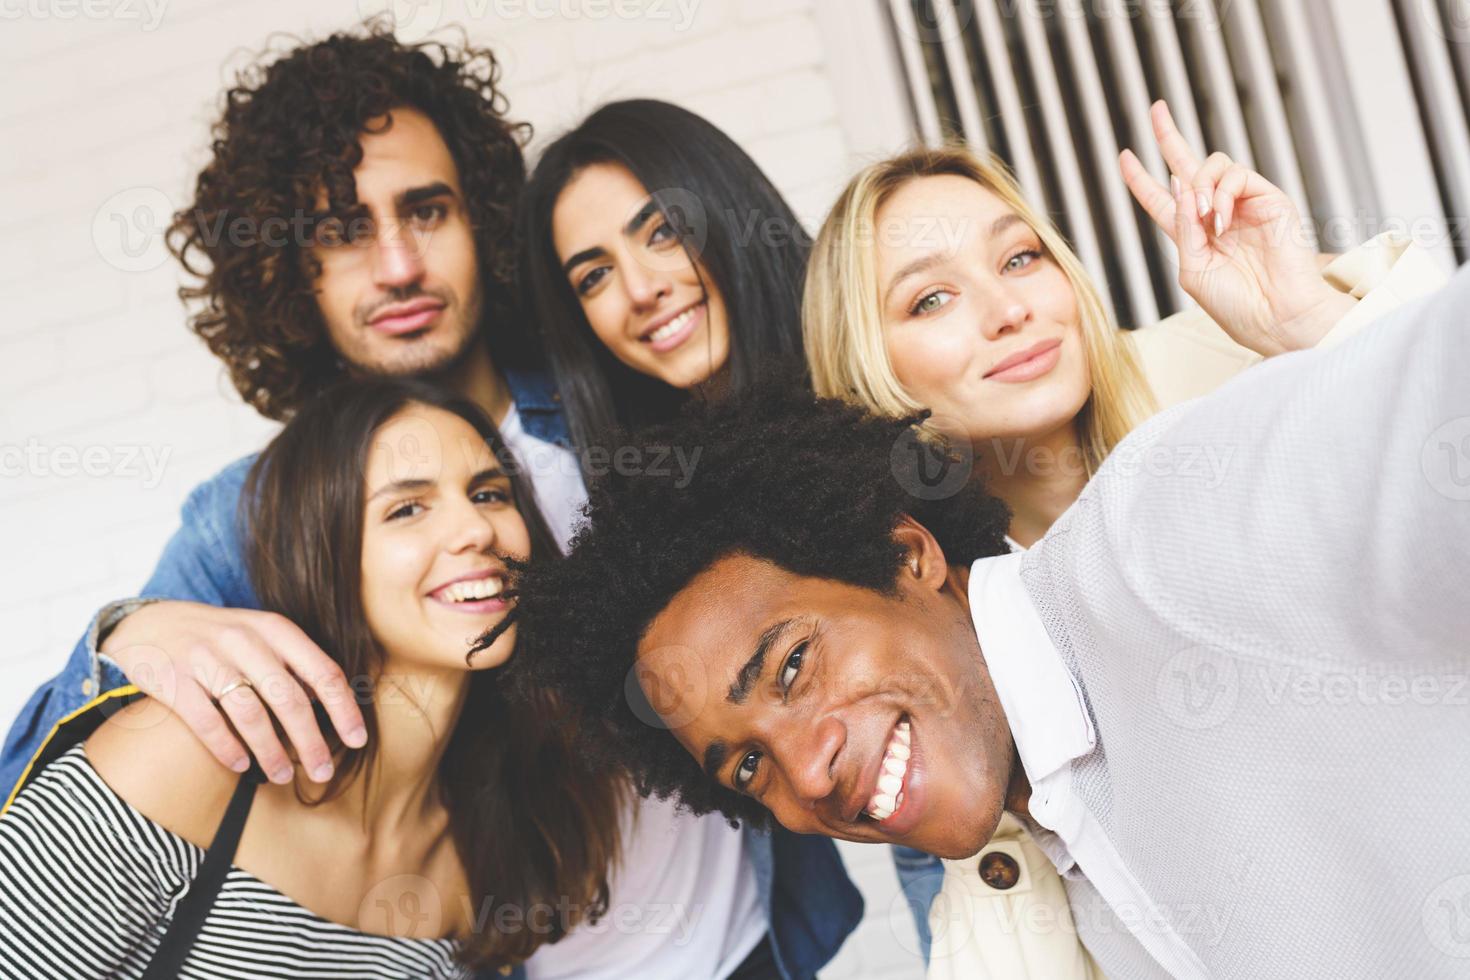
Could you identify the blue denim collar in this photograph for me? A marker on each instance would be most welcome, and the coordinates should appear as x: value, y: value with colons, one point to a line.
x: 540, y: 406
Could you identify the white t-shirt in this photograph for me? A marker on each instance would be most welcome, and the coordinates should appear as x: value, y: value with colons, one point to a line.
x: 683, y: 903
x: 555, y: 476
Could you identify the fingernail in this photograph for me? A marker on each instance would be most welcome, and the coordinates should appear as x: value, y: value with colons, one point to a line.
x: 281, y: 775
x: 356, y: 738
x: 1204, y: 205
x: 1219, y: 225
x: 1174, y: 185
x: 240, y: 765
x: 322, y: 773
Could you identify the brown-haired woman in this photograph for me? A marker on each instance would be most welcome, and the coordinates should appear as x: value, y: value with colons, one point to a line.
x: 462, y: 837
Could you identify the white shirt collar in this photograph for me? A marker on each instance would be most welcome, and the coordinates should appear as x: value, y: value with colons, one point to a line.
x: 1042, y: 700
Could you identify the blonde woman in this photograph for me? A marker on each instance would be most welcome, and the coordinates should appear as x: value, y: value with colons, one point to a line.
x: 934, y: 285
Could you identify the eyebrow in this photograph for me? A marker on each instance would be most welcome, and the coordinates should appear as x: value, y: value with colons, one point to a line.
x: 645, y: 211
x: 400, y: 486
x: 417, y: 195
x: 718, y: 751
x: 714, y: 758
x: 925, y: 262
x: 748, y: 674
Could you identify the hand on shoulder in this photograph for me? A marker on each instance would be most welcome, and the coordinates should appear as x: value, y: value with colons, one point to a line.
x: 148, y: 756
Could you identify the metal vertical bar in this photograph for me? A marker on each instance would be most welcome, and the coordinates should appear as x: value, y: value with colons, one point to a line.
x: 1097, y: 119
x: 1440, y: 105
x: 962, y: 81
x: 1217, y: 79
x: 1059, y: 140
x: 1008, y: 99
x: 911, y: 53
x: 1158, y: 20
x: 1298, y: 38
x: 1135, y: 103
x: 1278, y: 151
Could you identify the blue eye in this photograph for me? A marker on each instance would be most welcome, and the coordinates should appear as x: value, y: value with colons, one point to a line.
x: 1030, y: 255
x: 930, y: 302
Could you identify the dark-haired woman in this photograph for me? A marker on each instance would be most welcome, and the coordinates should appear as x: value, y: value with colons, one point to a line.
x: 656, y: 259
x: 659, y: 263
x: 461, y: 838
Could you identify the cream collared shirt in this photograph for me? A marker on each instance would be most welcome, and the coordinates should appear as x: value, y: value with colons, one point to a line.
x: 1025, y: 931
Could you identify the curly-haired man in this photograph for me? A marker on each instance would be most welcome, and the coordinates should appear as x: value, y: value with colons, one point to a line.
x: 355, y: 219
x: 1232, y: 714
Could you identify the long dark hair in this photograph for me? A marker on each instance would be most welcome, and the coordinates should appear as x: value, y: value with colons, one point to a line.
x: 729, y: 216
x: 533, y: 826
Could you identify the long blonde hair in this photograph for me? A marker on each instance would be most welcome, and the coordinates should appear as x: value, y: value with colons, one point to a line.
x: 842, y: 321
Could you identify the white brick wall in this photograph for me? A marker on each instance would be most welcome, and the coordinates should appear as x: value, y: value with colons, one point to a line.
x: 103, y: 119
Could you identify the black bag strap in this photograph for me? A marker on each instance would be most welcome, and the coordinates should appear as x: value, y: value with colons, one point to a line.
x: 194, y: 908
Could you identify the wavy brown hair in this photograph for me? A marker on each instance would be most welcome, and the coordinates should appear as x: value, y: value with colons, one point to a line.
x: 289, y: 132
x: 535, y: 827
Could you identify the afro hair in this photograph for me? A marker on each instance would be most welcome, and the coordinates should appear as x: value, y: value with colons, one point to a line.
x: 815, y: 486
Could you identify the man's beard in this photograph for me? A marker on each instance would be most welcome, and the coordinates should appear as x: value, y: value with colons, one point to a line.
x: 430, y: 361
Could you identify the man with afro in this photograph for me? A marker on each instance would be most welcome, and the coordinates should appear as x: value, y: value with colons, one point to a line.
x: 1231, y: 709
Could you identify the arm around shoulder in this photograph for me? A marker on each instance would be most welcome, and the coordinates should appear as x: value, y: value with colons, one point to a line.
x: 154, y: 762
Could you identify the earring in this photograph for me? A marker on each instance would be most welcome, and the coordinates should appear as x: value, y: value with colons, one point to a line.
x: 914, y: 565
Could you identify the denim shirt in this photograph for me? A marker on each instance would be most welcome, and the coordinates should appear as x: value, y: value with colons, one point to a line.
x: 810, y: 904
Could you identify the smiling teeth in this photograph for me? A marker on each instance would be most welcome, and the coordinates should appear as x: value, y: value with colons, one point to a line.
x: 672, y: 327
x: 480, y: 588
x: 889, y: 795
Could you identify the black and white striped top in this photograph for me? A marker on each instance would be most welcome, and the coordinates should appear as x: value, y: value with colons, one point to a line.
x: 88, y: 885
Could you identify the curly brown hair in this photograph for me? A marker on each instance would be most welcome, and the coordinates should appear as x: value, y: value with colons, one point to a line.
x: 289, y: 131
